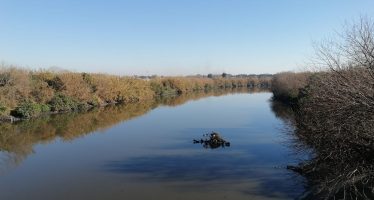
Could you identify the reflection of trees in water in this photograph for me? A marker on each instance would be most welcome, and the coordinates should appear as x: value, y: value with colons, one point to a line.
x: 283, y: 111
x: 17, y: 140
x: 334, y: 171
x: 181, y: 99
x: 11, y: 160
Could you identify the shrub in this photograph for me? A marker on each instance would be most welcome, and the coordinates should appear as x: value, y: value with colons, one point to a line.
x: 61, y: 102
x: 3, y: 108
x: 164, y: 87
x: 156, y: 87
x: 88, y: 79
x: 4, y: 79
x: 83, y: 107
x: 336, y: 118
x: 56, y: 83
x: 75, y: 86
x: 29, y: 109
x: 40, y: 91
x: 15, y: 86
x: 95, y: 102
x: 286, y: 86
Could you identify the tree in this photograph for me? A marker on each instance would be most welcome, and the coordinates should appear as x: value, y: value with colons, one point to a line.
x: 336, y: 116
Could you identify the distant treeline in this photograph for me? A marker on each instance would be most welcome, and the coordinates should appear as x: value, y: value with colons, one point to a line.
x: 334, y: 109
x: 27, y: 94
x: 223, y: 75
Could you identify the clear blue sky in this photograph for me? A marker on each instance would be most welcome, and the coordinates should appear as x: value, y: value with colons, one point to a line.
x: 170, y: 37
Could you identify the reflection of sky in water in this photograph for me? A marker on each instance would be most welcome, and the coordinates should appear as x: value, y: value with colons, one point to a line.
x: 153, y: 156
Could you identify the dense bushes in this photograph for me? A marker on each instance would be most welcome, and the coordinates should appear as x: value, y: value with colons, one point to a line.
x: 179, y: 85
x: 22, y: 92
x: 15, y: 87
x: 287, y: 86
x: 30, y: 109
x: 336, y: 119
x: 61, y: 102
x: 335, y: 116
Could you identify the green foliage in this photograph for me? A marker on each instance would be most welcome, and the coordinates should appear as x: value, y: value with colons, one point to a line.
x: 89, y: 80
x: 164, y: 88
x: 156, y: 87
x: 44, y: 108
x: 61, y: 102
x: 3, y: 108
x: 29, y: 109
x: 207, y: 87
x: 83, y: 107
x: 94, y: 102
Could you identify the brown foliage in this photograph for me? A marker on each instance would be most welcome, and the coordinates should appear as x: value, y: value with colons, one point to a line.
x: 41, y: 92
x: 41, y: 87
x: 74, y: 86
x: 286, y: 86
x: 15, y: 86
x: 336, y: 118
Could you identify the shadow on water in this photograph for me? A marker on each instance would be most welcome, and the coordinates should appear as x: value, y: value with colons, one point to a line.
x: 18, y: 140
x: 203, y: 169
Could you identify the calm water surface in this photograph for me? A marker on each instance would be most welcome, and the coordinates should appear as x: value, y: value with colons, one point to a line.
x: 145, y: 151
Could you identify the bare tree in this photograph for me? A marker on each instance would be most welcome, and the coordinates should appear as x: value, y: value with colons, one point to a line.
x: 336, y: 116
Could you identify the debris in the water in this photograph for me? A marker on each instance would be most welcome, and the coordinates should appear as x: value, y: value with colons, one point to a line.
x: 212, y: 140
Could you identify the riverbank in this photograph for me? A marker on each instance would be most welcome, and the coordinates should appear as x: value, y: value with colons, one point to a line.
x: 26, y: 94
x: 334, y: 116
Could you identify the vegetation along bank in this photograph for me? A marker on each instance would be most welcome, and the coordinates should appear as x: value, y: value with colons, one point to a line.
x: 26, y: 94
x: 334, y: 115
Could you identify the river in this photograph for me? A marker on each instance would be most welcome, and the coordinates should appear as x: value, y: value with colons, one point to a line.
x: 145, y: 151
